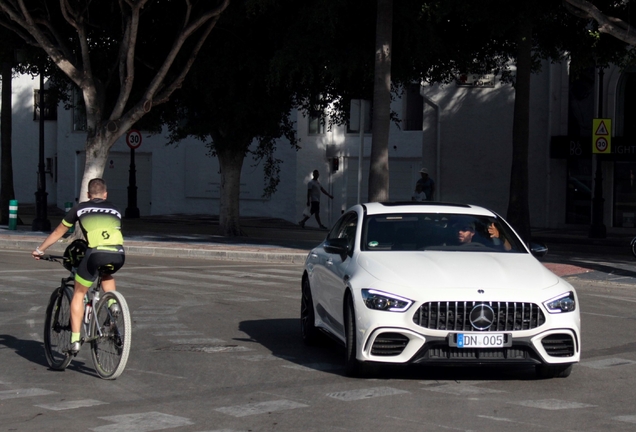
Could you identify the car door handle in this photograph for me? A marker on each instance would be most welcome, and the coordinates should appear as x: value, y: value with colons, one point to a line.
x: 329, y: 261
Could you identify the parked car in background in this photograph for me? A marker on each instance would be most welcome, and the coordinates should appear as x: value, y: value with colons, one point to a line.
x: 437, y: 284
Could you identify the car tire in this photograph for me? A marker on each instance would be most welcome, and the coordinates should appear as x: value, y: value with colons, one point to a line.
x: 554, y: 371
x: 308, y: 330
x: 353, y: 366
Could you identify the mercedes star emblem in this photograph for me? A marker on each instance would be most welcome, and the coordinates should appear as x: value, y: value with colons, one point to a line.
x: 482, y: 316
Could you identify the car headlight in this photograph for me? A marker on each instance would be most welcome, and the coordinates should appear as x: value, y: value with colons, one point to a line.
x: 378, y: 300
x: 563, y: 303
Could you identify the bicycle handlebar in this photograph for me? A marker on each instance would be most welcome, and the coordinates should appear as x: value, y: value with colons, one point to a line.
x: 49, y: 257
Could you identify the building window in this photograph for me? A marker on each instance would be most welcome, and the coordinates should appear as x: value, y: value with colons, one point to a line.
x: 79, y: 111
x: 49, y: 108
x: 316, y: 123
x: 475, y: 80
x: 353, y: 125
x: 413, y: 108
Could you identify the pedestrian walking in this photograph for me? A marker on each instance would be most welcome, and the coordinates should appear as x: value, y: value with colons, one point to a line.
x: 314, y: 189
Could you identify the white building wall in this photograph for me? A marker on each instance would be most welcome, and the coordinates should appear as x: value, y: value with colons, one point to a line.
x: 469, y: 157
x: 25, y: 141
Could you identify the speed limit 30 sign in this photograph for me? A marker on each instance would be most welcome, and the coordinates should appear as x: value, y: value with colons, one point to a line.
x: 602, y: 135
x: 133, y: 138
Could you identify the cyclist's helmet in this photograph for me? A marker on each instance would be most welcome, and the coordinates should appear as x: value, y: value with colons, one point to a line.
x: 74, y: 253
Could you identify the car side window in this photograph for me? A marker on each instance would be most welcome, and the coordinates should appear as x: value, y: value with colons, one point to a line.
x: 346, y: 228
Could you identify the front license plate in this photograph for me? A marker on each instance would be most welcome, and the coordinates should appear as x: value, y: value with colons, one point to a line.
x: 489, y: 340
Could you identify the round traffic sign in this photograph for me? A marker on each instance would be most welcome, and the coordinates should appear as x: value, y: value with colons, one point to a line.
x: 133, y: 138
x: 601, y: 144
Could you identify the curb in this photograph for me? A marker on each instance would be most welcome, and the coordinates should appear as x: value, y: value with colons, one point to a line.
x: 132, y: 247
x: 220, y: 254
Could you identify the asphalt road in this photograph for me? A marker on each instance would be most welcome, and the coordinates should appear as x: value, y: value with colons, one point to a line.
x: 216, y: 348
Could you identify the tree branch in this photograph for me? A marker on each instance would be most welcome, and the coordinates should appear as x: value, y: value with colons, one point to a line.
x: 127, y: 57
x: 22, y: 16
x: 609, y: 25
x: 211, y: 17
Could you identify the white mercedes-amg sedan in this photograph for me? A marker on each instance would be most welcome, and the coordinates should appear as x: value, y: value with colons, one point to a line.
x: 441, y: 284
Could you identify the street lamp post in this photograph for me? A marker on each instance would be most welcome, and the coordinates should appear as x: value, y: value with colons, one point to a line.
x: 597, y: 229
x: 41, y: 222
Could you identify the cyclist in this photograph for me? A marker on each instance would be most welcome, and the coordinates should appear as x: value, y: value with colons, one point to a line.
x: 100, y: 222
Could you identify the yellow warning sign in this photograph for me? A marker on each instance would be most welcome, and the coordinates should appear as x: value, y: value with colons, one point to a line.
x: 602, y: 136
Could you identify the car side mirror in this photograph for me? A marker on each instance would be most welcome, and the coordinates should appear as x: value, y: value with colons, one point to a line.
x: 339, y: 246
x: 538, y: 250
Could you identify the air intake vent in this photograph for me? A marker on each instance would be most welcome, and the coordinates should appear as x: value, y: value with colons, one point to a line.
x: 389, y: 344
x: 558, y: 345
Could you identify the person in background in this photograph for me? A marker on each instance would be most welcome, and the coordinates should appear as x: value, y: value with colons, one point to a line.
x: 314, y: 189
x: 419, y: 194
x: 427, y: 183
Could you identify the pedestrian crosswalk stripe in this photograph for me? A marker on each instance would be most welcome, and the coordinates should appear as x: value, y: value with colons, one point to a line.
x: 22, y: 393
x: 353, y: 395
x: 142, y: 422
x: 66, y: 405
x: 260, y: 408
x: 239, y: 274
x: 552, y: 404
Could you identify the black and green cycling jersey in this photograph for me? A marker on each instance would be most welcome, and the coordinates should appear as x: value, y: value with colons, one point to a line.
x: 99, y: 220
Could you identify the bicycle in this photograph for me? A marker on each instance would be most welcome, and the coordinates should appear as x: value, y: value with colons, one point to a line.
x: 109, y: 335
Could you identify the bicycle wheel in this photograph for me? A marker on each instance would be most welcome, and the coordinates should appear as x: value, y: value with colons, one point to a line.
x: 110, y: 350
x: 57, y: 329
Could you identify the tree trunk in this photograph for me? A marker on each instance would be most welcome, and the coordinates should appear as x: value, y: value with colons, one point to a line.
x: 379, y: 164
x: 518, y: 206
x: 97, y: 149
x: 231, y: 162
x: 7, y: 192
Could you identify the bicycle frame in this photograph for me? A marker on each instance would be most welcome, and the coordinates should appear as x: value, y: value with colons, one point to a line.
x: 91, y: 299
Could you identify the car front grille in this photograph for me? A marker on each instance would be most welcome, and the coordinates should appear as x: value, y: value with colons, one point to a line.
x: 389, y: 344
x: 455, y: 316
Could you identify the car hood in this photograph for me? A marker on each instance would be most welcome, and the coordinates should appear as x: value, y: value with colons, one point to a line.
x: 436, y: 269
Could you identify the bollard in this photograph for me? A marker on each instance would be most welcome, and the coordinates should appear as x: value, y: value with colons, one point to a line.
x: 67, y: 208
x: 13, y: 214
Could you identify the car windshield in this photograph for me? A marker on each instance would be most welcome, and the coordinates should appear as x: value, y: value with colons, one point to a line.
x: 438, y: 231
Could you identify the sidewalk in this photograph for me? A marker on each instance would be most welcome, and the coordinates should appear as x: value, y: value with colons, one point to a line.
x: 265, y: 240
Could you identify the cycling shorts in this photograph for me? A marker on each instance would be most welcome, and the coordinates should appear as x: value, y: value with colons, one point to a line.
x: 112, y: 257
